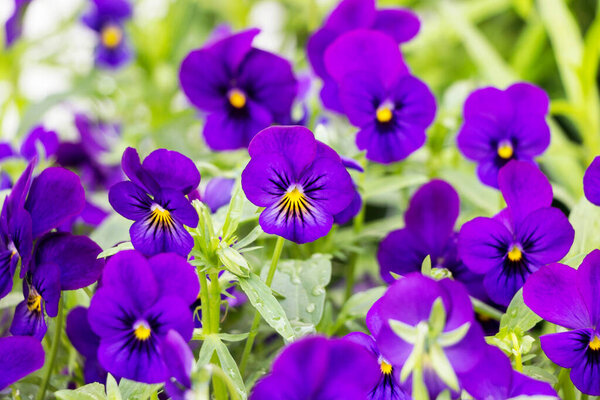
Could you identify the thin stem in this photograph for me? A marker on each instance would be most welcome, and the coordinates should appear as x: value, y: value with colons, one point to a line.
x: 53, y: 351
x: 204, y: 302
x: 483, y: 309
x: 256, y: 321
x: 564, y: 382
x: 214, y: 302
x: 517, y: 352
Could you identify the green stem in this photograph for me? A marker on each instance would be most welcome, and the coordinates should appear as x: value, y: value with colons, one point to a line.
x: 483, y: 309
x: 564, y: 382
x: 357, y: 226
x: 53, y: 351
x: 214, y: 319
x: 204, y: 302
x: 256, y: 321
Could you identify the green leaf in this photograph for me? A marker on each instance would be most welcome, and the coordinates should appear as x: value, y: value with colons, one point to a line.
x: 114, y: 250
x: 442, y: 366
x: 303, y: 284
x: 248, y: 239
x: 112, y: 388
x: 233, y: 261
x: 11, y: 300
x: 518, y: 316
x: 585, y: 219
x: 262, y: 299
x: 206, y: 352
x: 360, y: 303
x: 230, y: 337
x: 131, y: 390
x: 229, y: 366
x: 93, y: 391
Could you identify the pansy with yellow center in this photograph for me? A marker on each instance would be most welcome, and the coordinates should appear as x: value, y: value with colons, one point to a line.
x: 140, y: 301
x: 155, y: 199
x: 521, y: 239
x: 301, y: 182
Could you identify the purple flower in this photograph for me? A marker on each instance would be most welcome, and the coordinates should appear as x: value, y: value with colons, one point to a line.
x: 569, y: 298
x: 33, y: 207
x: 180, y: 362
x: 439, y: 318
x: 355, y: 205
x: 139, y: 302
x: 61, y: 262
x: 243, y: 89
x: 387, y: 388
x: 319, y: 368
x: 39, y: 137
x: 400, y: 24
x: 14, y: 24
x: 429, y: 230
x: 392, y: 108
x: 19, y: 357
x: 86, y: 342
x: 494, y: 379
x: 591, y: 182
x: 504, y: 125
x: 107, y: 18
x: 525, y: 236
x: 301, y: 182
x: 217, y: 193
x: 155, y: 200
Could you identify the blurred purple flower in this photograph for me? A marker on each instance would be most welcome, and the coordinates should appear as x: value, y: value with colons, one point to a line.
x: 217, y: 193
x: 36, y: 138
x: 355, y: 205
x: 301, y: 182
x: 523, y: 237
x: 401, y: 25
x: 243, y: 89
x: 503, y: 125
x: 180, y: 362
x: 14, y: 24
x: 19, y: 357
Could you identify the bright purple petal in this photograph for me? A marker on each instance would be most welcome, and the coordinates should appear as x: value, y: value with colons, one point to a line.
x: 546, y: 236
x: 482, y: 244
x: 401, y: 24
x: 172, y: 170
x: 218, y: 193
x: 19, y: 356
x: 588, y: 283
x: 80, y: 333
x: 591, y: 182
x: 175, y: 277
x: 566, y: 349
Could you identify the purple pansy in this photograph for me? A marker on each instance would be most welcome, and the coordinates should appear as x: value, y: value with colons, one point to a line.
x: 391, y: 107
x: 107, y: 18
x: 14, y: 24
x: 399, y: 24
x: 523, y: 237
x: 429, y: 230
x: 39, y: 137
x: 319, y: 368
x: 216, y: 194
x: 61, y: 262
x: 86, y: 342
x: 180, y: 362
x: 241, y: 88
x: 503, y: 125
x: 301, y: 182
x: 569, y: 298
x: 155, y: 199
x: 387, y: 388
x: 34, y: 206
x: 139, y: 302
x: 355, y: 205
x: 19, y: 357
x: 418, y: 296
x: 591, y: 182
x: 494, y: 379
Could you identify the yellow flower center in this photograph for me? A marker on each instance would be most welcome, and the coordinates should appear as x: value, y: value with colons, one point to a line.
x: 111, y: 36
x: 294, y: 203
x: 515, y: 254
x: 384, y: 114
x: 237, y: 98
x: 505, y: 149
x: 142, y: 331
x: 595, y: 343
x: 160, y: 217
x: 386, y: 368
x: 34, y: 302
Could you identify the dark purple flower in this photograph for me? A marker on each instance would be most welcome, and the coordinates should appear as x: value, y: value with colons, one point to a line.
x: 139, y: 302
x: 569, y: 298
x: 19, y: 357
x: 387, y: 388
x: 525, y: 236
x: 400, y: 24
x: 301, y: 182
x: 107, y: 18
x: 355, y: 205
x: 494, y: 379
x: 36, y: 138
x: 414, y: 303
x: 6, y: 150
x: 180, y: 361
x: 243, y: 89
x: 591, y: 182
x: 61, y: 262
x: 86, y: 342
x: 503, y: 125
x: 392, y: 108
x: 14, y: 24
x: 428, y: 231
x: 33, y: 207
x: 155, y: 200
x: 319, y: 368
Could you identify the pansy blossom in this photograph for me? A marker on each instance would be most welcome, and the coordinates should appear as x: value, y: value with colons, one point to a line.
x: 242, y: 89
x: 521, y: 239
x: 13, y: 27
x: 155, y: 199
x: 19, y: 357
x: 301, y: 182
